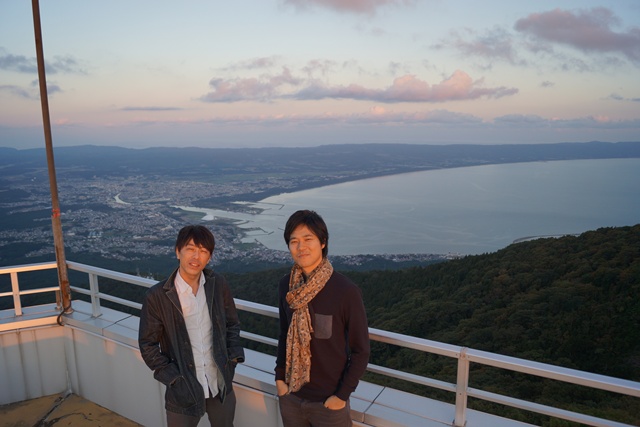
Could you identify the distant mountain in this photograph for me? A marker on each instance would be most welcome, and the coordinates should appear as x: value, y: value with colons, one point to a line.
x: 369, y: 159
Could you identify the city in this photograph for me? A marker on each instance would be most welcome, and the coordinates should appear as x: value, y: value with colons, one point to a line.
x: 134, y: 218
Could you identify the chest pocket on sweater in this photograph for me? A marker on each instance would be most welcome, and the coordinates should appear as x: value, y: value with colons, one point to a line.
x: 323, y: 326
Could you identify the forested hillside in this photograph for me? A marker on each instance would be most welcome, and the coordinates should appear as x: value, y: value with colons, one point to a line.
x: 570, y: 301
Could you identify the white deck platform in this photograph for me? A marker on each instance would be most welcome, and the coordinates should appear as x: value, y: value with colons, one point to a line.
x: 98, y: 359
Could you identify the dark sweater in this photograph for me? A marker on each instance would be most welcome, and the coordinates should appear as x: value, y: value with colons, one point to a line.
x: 339, y: 343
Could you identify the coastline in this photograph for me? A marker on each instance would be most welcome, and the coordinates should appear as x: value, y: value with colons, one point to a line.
x: 465, y: 211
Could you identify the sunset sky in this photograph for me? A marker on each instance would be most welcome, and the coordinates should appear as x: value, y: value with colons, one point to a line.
x: 282, y: 73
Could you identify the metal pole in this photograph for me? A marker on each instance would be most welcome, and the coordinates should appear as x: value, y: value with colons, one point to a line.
x: 63, y: 280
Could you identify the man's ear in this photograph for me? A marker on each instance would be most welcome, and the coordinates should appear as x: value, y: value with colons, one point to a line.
x: 177, y: 253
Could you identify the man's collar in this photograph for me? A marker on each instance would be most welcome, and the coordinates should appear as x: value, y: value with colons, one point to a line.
x: 182, y: 286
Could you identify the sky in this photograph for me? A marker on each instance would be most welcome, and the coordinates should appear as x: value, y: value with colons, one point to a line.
x: 289, y: 73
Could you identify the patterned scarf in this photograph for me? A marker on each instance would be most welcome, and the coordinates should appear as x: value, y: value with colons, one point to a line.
x: 298, y: 369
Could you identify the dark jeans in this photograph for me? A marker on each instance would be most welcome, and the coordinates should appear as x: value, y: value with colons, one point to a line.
x: 220, y: 414
x: 296, y: 412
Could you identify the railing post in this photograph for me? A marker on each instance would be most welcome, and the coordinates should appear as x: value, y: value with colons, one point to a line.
x: 95, y: 297
x: 59, y: 303
x: 461, y: 389
x: 15, y: 288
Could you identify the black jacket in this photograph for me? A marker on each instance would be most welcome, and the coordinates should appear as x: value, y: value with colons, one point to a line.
x: 339, y: 342
x: 165, y: 347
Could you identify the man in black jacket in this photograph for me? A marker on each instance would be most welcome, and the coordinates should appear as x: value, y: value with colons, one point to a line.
x: 189, y: 335
x: 323, y: 345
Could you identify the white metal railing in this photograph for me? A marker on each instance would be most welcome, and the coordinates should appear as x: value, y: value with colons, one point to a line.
x: 464, y: 356
x: 16, y: 293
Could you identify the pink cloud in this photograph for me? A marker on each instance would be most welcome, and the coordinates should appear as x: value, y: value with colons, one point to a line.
x: 249, y: 89
x: 586, y: 30
x: 409, y: 88
x: 235, y: 90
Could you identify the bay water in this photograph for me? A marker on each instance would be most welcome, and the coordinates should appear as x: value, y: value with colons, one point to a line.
x: 470, y: 210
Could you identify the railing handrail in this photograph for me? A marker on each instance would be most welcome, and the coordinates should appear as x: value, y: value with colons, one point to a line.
x: 464, y: 355
x: 559, y: 373
x: 28, y: 267
x: 110, y: 274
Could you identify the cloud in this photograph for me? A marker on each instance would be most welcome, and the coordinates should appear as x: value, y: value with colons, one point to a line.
x: 381, y: 118
x: 520, y: 120
x: 63, y: 122
x: 249, y: 89
x: 32, y: 93
x: 601, y: 122
x: 254, y: 64
x: 377, y: 110
x: 323, y: 67
x: 374, y: 123
x: 496, y: 43
x: 17, y: 91
x: 53, y: 89
x: 376, y: 115
x: 18, y: 63
x: 589, y: 31
x: 617, y: 97
x: 368, y: 7
x: 586, y: 31
x: 64, y: 65
x: 588, y: 122
x: 407, y: 88
x: 22, y: 64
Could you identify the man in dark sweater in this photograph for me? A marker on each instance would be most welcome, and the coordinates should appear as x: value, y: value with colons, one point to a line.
x: 323, y: 346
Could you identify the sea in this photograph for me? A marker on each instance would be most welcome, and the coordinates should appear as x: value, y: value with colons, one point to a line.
x: 462, y: 211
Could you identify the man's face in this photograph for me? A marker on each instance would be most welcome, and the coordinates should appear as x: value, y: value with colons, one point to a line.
x: 193, y: 259
x: 305, y: 248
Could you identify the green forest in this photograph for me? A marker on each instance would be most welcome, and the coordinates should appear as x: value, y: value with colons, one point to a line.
x: 571, y: 301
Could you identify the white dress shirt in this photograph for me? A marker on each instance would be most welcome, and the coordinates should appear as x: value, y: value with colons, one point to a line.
x: 200, y: 329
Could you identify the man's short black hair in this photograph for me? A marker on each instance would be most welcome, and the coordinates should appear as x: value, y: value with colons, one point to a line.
x: 314, y: 222
x: 200, y: 234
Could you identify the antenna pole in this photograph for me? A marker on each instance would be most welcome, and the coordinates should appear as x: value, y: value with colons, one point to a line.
x: 63, y: 280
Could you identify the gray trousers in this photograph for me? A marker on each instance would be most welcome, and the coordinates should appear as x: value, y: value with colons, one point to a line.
x: 220, y: 414
x: 296, y: 412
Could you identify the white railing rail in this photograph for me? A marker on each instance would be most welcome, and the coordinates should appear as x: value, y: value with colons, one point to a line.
x: 464, y: 356
x: 16, y: 293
